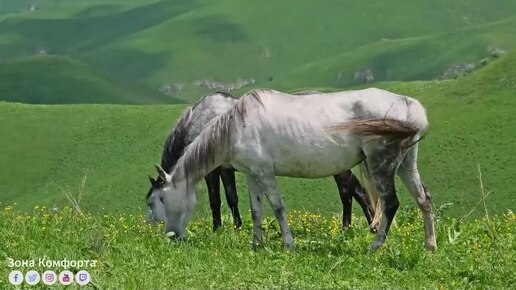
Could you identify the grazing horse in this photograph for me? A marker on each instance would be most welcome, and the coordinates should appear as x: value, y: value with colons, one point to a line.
x: 190, y: 125
x: 269, y: 133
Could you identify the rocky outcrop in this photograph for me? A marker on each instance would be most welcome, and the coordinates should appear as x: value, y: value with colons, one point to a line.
x: 364, y: 76
x: 43, y: 51
x: 212, y: 84
x: 456, y: 69
x: 171, y: 88
x: 465, y: 68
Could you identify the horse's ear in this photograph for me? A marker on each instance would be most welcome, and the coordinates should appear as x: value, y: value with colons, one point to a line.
x: 152, y: 181
x: 161, y: 172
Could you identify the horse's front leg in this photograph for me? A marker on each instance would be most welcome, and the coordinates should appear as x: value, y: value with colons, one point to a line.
x: 228, y: 179
x: 255, y: 199
x: 268, y: 181
x: 213, y: 184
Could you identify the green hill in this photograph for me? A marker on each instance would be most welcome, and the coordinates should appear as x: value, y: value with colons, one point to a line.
x: 407, y: 59
x: 278, y: 44
x: 59, y: 80
x: 48, y: 150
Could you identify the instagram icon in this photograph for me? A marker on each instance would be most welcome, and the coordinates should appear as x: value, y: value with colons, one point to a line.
x: 49, y: 277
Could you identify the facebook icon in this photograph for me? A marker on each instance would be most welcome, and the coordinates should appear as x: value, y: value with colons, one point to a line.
x: 16, y: 277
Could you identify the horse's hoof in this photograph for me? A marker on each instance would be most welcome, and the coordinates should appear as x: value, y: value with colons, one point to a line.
x: 431, y: 247
x: 374, y: 248
x: 254, y: 246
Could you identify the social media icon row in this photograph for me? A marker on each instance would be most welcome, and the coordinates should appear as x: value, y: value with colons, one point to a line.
x: 49, y: 277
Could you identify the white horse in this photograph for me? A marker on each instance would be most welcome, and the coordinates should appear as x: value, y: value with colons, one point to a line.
x: 269, y: 133
x: 190, y: 125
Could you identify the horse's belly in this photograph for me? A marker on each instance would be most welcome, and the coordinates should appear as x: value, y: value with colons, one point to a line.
x: 314, y: 161
x: 312, y: 167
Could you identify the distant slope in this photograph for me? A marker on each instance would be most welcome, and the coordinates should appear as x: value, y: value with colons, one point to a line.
x: 226, y: 40
x: 48, y: 149
x: 59, y: 80
x: 280, y: 44
x: 408, y: 59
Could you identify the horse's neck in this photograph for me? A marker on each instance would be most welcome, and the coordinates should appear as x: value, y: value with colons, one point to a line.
x: 208, y: 151
x: 180, y: 182
x: 179, y: 177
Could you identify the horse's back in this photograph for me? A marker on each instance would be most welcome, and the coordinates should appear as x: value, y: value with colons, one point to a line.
x: 370, y: 103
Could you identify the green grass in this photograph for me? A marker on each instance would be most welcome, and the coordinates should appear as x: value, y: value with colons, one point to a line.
x: 52, y: 148
x: 155, y: 43
x: 60, y: 80
x: 129, y: 254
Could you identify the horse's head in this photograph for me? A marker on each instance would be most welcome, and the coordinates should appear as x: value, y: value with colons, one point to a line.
x: 155, y: 207
x: 171, y: 202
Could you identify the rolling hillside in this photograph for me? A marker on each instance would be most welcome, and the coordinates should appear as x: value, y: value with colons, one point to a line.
x: 51, y: 148
x: 284, y: 45
x: 59, y: 80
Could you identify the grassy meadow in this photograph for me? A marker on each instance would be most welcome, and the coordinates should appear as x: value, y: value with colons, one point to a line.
x: 129, y: 254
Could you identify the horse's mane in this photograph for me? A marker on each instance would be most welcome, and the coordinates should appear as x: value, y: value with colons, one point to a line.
x: 308, y: 92
x: 226, y: 94
x: 211, y: 146
x: 175, y: 143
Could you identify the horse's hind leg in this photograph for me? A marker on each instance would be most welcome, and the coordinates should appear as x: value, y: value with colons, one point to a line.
x: 228, y: 179
x: 382, y: 162
x: 213, y: 184
x: 409, y: 174
x: 345, y: 197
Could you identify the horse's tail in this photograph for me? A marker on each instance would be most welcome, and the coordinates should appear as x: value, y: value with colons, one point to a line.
x: 401, y: 130
x: 367, y: 182
x: 407, y: 133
